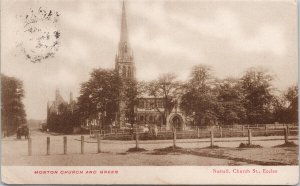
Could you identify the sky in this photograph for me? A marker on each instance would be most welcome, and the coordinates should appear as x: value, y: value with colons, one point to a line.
x: 165, y: 36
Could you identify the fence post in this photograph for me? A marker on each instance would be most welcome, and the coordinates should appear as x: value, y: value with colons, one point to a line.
x: 286, y: 136
x: 288, y: 129
x: 249, y: 136
x: 48, y: 146
x: 243, y: 131
x: 198, y: 132
x: 82, y: 144
x: 137, y: 140
x: 211, y: 138
x: 266, y: 130
x: 98, y: 143
x: 29, y: 146
x: 221, y: 132
x: 65, y: 144
x: 174, y: 138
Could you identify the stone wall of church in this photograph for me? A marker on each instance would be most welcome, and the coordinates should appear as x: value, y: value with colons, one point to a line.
x: 147, y: 113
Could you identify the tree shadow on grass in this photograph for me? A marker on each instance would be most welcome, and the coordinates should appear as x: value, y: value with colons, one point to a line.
x: 175, y: 150
x: 134, y: 149
x: 287, y: 144
x: 211, y: 147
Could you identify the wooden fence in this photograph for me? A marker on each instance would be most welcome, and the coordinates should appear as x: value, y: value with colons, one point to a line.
x: 212, y: 134
x: 203, y: 132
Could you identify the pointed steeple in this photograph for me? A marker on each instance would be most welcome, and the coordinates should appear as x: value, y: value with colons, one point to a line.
x: 124, y: 62
x: 124, y: 66
x: 124, y: 33
x: 124, y: 52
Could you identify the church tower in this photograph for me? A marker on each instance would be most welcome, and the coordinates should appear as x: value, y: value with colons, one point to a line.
x: 124, y: 66
x: 124, y: 63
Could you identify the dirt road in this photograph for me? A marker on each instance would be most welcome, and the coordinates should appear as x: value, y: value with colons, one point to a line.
x: 15, y: 152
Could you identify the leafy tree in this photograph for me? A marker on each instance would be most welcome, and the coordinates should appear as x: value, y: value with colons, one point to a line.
x: 257, y: 89
x: 12, y: 108
x: 286, y: 106
x: 100, y: 95
x: 130, y: 88
x: 66, y: 119
x: 291, y: 97
x: 200, y: 96
x: 279, y: 109
x: 230, y: 108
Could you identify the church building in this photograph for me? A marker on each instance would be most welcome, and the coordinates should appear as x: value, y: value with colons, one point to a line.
x: 146, y: 112
x: 53, y: 106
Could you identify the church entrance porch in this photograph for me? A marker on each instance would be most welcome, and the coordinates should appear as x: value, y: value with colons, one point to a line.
x: 175, y: 120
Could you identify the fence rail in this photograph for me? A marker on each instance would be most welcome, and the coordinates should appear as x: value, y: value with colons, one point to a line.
x: 202, y: 132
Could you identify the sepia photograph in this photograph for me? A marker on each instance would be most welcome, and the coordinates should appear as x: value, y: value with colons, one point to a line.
x: 110, y: 89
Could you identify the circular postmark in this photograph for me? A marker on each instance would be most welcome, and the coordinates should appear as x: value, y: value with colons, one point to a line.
x: 39, y: 37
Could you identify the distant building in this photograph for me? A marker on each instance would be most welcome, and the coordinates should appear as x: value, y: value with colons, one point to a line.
x: 53, y: 106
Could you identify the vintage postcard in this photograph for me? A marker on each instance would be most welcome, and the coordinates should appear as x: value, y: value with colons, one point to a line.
x: 149, y: 92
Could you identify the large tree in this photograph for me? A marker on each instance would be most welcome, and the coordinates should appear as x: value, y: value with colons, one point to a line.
x: 99, y: 96
x: 257, y: 88
x: 12, y: 108
x: 200, y: 96
x: 291, y: 96
x: 286, y: 106
x: 66, y: 119
x: 230, y: 102
x: 129, y: 95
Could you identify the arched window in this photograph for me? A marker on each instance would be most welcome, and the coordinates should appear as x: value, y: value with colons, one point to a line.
x: 142, y: 118
x: 160, y: 105
x: 129, y: 72
x: 141, y: 104
x: 125, y: 47
x: 150, y: 118
x: 160, y: 119
x: 147, y: 105
x: 124, y: 71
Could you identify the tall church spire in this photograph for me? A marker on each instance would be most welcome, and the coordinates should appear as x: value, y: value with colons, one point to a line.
x: 124, y: 59
x: 124, y: 33
x: 124, y: 52
x: 125, y: 67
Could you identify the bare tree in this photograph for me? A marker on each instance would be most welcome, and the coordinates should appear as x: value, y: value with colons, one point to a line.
x: 167, y: 89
